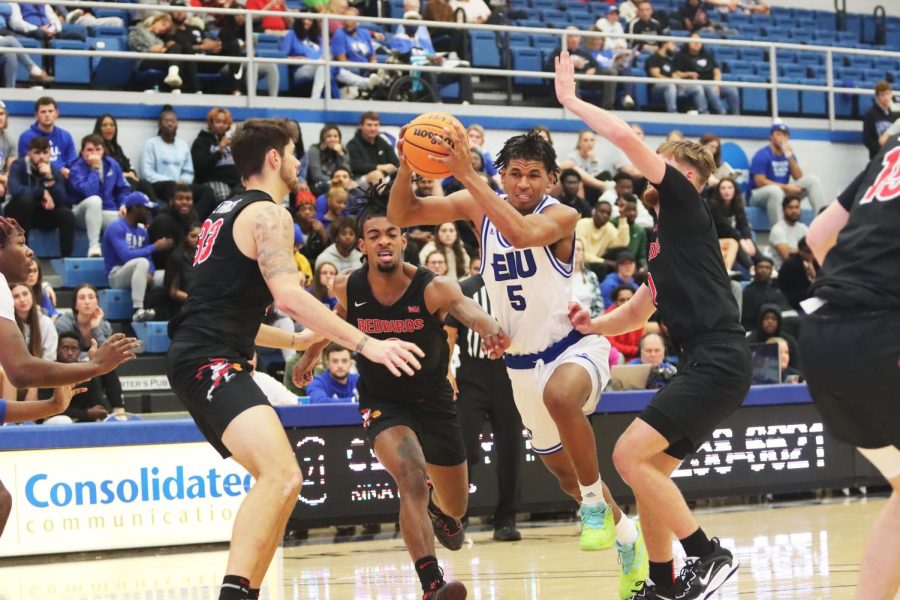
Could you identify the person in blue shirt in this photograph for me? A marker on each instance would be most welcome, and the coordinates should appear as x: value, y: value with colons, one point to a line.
x: 352, y: 44
x: 97, y: 188
x: 62, y: 148
x: 624, y: 275
x: 337, y: 383
x: 771, y: 171
x: 126, y: 252
x: 304, y: 41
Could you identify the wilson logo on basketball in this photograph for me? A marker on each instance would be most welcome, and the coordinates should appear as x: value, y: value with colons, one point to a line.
x: 430, y: 136
x: 654, y: 250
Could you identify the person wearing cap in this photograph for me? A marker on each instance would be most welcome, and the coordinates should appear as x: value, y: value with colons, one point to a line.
x: 126, y: 252
x: 771, y: 171
x: 623, y: 276
x: 611, y: 25
x: 96, y: 189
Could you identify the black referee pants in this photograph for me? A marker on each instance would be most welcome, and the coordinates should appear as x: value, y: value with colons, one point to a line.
x: 485, y: 393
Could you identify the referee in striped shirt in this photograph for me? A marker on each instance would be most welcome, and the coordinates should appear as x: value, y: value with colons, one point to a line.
x: 484, y: 392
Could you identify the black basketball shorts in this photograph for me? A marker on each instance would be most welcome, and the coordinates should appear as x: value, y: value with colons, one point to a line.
x: 712, y: 381
x: 434, y: 420
x: 851, y: 360
x: 214, y: 390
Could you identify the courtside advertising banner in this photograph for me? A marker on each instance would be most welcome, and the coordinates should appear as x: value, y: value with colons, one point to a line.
x: 80, y: 499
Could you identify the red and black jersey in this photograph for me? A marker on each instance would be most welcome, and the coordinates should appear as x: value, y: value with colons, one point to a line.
x: 228, y: 297
x: 407, y: 319
x: 863, y: 267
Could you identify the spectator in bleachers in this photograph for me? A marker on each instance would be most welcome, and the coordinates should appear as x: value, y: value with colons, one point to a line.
x: 315, y: 235
x: 87, y: 18
x: 660, y: 66
x: 585, y: 161
x: 232, y: 35
x: 623, y: 275
x: 372, y: 158
x: 768, y: 325
x: 192, y: 38
x: 727, y: 207
x: 304, y: 41
x: 624, y: 189
x: 452, y: 185
x: 585, y: 285
x: 126, y: 253
x: 274, y: 25
x: 336, y: 202
x: 711, y: 142
x: 41, y: 290
x: 797, y: 273
x: 97, y: 189
x: 153, y: 36
x: 600, y: 236
x: 762, y: 290
x: 612, y: 26
x: 173, y: 221
x: 36, y: 327
x: 336, y: 383
x: 646, y: 24
x: 352, y: 44
x: 436, y: 263
x: 62, y: 148
x: 584, y: 65
x: 342, y: 253
x: 322, y: 286
x: 8, y: 151
x: 786, y: 234
x: 626, y: 343
x: 756, y: 7
x: 628, y: 10
x: 37, y: 193
x: 771, y: 171
x: 476, y: 11
x: 107, y: 128
x: 609, y: 62
x: 651, y: 351
x: 324, y: 157
x: 39, y: 21
x: 637, y: 235
x: 878, y: 118
x: 88, y: 405
x: 694, y: 59
x: 476, y: 140
x: 89, y: 323
x: 9, y: 63
x: 211, y: 156
x: 179, y: 270
x: 693, y: 17
x: 789, y: 374
x: 449, y: 245
x: 570, y: 192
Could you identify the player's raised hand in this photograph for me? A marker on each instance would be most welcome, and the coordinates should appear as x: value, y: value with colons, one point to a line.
x: 398, y: 356
x: 580, y: 317
x: 495, y: 344
x: 62, y: 395
x: 565, y: 78
x: 456, y: 143
x: 114, y: 351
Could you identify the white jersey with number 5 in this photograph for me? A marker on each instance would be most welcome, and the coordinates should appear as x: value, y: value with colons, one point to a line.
x: 529, y: 288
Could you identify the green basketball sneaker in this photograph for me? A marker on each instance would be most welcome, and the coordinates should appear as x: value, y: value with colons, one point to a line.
x: 598, y: 531
x: 633, y: 563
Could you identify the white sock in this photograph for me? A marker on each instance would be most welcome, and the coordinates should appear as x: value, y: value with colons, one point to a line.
x: 36, y: 70
x: 592, y: 495
x: 626, y: 531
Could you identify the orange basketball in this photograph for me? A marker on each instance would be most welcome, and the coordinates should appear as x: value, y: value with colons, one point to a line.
x: 419, y: 141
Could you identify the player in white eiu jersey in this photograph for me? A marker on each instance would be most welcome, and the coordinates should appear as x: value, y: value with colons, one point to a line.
x: 528, y: 241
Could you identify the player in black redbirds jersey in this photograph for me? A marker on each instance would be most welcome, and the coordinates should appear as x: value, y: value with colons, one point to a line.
x: 244, y: 260
x: 412, y: 421
x: 850, y: 342
x: 688, y: 285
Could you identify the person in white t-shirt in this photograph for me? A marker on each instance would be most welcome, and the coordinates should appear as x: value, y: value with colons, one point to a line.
x: 476, y: 11
x: 787, y: 233
x: 611, y: 25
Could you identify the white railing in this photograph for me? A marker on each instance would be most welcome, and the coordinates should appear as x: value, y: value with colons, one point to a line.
x: 251, y: 60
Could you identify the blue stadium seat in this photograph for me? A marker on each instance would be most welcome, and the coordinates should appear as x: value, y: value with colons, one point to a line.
x: 112, y: 12
x: 748, y: 32
x: 583, y: 21
x: 844, y: 37
x: 856, y: 62
x: 529, y: 23
x: 810, y: 58
x: 786, y: 56
x: 723, y: 53
x: 758, y: 218
x: 789, y: 100
x: 81, y: 270
x: 818, y: 72
x: 485, y: 53
x: 545, y: 42
x: 752, y: 54
x: 71, y: 69
x: 873, y: 74
x: 518, y: 39
x: 527, y: 59
x: 845, y: 76
x: 754, y: 100
x: 740, y: 68
x: 116, y: 304
x: 153, y: 334
x: 22, y: 73
x: 789, y: 70
x: 777, y: 31
x: 72, y: 29
x: 553, y: 18
x: 805, y: 23
x: 807, y: 215
x: 110, y: 72
x: 814, y: 103
x: 539, y: 4
x: 268, y: 40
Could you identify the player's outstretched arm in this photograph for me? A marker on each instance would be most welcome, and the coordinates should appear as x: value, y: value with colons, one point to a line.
x: 273, y: 337
x: 444, y: 294
x: 26, y: 371
x: 605, y: 123
x: 628, y: 317
x: 272, y: 231
x: 30, y: 410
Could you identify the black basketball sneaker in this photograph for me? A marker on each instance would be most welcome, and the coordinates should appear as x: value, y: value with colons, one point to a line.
x: 448, y: 531
x: 451, y: 590
x: 701, y: 577
x: 648, y: 591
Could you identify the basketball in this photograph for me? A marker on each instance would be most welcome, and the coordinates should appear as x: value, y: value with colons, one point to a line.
x: 420, y: 141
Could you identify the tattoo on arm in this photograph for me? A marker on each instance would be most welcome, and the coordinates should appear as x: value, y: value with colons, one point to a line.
x: 273, y: 231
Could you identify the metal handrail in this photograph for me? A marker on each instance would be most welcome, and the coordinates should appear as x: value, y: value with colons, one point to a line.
x: 251, y: 60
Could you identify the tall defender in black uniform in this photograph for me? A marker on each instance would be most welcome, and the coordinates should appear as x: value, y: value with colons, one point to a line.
x: 850, y: 342
x: 688, y: 285
x: 412, y: 422
x: 244, y: 260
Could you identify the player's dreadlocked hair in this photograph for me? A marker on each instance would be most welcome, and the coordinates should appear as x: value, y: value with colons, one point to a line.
x: 528, y: 146
x: 9, y: 228
x: 373, y: 206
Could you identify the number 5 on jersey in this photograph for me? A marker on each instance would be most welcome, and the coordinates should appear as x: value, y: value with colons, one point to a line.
x: 516, y: 299
x: 208, y: 234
